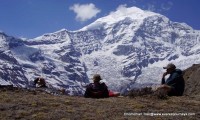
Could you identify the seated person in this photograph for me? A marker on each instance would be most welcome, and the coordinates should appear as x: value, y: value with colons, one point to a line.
x: 96, y: 89
x: 40, y: 82
x: 174, y: 85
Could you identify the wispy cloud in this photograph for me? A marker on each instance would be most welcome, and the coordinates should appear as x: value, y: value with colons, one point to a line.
x: 122, y: 10
x: 122, y: 7
x: 85, y: 12
x: 153, y: 5
x: 167, y: 6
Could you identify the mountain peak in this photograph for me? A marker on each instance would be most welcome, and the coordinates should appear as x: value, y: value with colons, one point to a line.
x: 61, y: 34
x: 120, y: 14
x: 132, y: 12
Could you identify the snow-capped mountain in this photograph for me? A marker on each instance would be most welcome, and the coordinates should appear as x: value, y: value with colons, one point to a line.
x: 55, y: 59
x: 128, y: 48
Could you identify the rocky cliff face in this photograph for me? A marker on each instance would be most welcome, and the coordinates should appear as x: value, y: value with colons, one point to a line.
x: 10, y: 70
x: 125, y: 48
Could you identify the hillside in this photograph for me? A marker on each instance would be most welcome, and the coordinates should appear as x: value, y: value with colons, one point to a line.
x: 192, y: 77
x: 36, y: 105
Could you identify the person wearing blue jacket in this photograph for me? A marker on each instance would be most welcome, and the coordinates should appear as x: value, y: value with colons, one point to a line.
x: 174, y: 85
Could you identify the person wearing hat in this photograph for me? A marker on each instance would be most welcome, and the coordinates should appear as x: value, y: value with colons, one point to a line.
x: 174, y: 85
x: 96, y: 89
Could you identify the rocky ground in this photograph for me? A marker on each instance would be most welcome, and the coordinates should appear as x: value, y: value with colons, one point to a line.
x: 26, y: 104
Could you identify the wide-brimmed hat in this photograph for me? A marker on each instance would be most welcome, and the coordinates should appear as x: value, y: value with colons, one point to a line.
x: 170, y: 66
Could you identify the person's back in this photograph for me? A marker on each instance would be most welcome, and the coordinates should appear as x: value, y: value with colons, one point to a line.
x: 96, y: 89
x: 176, y: 81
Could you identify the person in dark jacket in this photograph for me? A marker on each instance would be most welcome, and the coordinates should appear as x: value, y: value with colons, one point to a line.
x: 40, y: 82
x: 96, y: 89
x: 174, y: 85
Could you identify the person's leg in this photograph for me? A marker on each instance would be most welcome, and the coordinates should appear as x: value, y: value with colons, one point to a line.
x: 166, y: 87
x: 113, y: 94
x: 163, y: 91
x: 116, y: 94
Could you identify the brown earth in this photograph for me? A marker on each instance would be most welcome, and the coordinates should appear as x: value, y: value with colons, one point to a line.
x: 192, y: 79
x: 24, y: 104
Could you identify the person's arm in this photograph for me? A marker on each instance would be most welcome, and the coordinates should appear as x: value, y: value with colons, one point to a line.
x: 163, y: 78
x: 172, y: 79
x: 105, y: 91
x: 163, y: 81
x: 88, y: 91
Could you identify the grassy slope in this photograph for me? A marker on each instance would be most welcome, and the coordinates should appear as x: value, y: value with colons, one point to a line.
x: 22, y: 104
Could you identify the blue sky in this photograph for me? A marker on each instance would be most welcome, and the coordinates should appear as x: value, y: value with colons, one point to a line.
x: 32, y: 18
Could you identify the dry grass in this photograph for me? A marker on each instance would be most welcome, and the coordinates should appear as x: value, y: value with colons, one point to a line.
x: 27, y: 105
